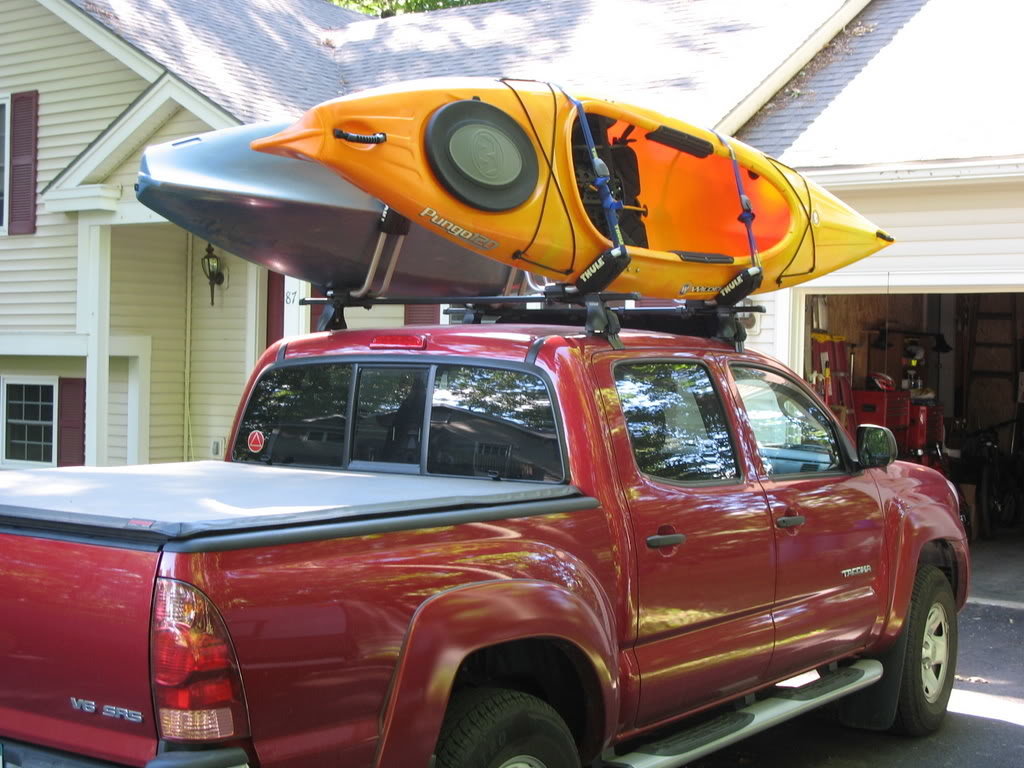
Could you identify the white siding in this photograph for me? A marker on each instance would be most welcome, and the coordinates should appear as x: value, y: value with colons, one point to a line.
x: 218, y: 362
x: 181, y: 125
x: 945, y: 236
x: 117, y: 396
x: 147, y: 297
x: 381, y: 316
x: 81, y: 90
x: 68, y: 367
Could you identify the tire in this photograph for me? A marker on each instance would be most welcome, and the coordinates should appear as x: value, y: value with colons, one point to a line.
x: 930, y: 662
x: 499, y: 728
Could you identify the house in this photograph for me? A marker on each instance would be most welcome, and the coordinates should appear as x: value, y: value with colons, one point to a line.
x: 112, y: 348
x: 911, y: 116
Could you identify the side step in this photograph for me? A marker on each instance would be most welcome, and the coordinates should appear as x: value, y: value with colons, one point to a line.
x: 785, y: 703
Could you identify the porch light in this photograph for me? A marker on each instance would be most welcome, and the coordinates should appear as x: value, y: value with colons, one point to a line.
x: 212, y: 270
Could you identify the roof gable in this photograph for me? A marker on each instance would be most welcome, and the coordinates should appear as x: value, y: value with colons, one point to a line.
x: 697, y: 59
x: 908, y: 81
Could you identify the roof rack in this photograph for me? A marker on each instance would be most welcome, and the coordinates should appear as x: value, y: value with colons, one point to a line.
x: 559, y: 304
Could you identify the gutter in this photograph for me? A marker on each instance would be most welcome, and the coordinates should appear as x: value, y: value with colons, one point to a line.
x: 928, y: 173
x: 750, y: 105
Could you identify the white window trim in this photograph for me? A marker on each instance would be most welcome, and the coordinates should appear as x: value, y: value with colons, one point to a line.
x: 5, y: 175
x: 5, y: 463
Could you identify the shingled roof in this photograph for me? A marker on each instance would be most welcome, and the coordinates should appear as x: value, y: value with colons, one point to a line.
x: 907, y: 81
x: 262, y: 59
x: 257, y: 59
x: 696, y: 59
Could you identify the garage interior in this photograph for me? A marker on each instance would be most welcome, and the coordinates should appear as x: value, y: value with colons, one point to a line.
x: 942, y: 370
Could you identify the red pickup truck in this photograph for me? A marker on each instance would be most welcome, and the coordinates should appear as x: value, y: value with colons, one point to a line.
x: 480, y: 546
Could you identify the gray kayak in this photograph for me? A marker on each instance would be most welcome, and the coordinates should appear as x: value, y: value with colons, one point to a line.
x: 300, y: 219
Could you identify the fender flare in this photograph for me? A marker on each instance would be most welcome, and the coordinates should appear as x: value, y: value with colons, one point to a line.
x: 450, y: 625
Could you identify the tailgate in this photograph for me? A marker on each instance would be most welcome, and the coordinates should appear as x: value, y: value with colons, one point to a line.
x: 74, y: 646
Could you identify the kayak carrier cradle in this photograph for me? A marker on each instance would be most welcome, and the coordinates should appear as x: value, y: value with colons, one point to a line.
x: 601, y: 314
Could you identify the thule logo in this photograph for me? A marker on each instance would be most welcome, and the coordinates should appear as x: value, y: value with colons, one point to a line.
x: 592, y: 269
x: 107, y: 710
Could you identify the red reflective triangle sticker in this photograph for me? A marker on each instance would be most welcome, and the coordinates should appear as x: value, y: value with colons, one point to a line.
x: 256, y: 441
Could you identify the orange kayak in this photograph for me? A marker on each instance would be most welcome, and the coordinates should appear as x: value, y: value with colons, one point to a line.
x: 507, y: 169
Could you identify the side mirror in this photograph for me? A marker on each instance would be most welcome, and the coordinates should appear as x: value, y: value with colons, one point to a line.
x: 876, y: 446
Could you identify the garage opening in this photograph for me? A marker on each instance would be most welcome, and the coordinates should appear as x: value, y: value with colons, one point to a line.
x: 943, y: 371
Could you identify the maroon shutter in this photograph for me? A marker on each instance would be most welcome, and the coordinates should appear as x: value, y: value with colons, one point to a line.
x: 315, y: 310
x: 275, y: 307
x: 70, y: 422
x: 422, y: 314
x: 24, y: 133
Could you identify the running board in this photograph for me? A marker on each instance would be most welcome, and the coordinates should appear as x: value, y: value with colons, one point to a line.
x: 785, y: 703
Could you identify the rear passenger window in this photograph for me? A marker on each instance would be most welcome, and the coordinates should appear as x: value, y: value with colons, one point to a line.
x: 676, y: 421
x: 487, y: 422
x: 298, y: 412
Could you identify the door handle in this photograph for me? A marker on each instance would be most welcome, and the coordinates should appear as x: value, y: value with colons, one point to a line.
x: 790, y: 521
x: 665, y: 540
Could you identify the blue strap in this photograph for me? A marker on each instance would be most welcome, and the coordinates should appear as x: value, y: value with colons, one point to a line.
x: 747, y: 213
x: 610, y: 205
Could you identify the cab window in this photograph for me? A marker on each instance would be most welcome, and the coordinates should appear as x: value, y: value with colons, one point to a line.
x: 676, y: 422
x: 793, y: 433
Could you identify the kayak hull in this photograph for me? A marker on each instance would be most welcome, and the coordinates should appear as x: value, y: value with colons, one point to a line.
x: 299, y: 219
x: 524, y: 195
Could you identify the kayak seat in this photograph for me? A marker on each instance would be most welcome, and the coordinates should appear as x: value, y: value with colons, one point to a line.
x: 699, y: 257
x: 623, y: 182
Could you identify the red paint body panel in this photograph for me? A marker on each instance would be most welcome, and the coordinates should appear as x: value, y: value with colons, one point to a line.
x: 74, y: 622
x: 348, y: 647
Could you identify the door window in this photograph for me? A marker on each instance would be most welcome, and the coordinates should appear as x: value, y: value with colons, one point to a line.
x: 488, y: 422
x: 793, y: 433
x: 676, y: 422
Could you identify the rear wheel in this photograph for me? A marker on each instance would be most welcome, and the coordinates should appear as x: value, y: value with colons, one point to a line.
x: 499, y: 728
x: 930, y: 661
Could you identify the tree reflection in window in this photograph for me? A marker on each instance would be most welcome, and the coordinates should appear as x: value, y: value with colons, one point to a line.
x: 676, y: 422
x: 487, y: 422
x: 301, y: 412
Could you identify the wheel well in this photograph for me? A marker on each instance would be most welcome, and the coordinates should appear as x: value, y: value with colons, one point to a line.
x: 939, y: 553
x: 550, y: 669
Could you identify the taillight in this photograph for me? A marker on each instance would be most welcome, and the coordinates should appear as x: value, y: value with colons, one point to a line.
x: 196, y: 685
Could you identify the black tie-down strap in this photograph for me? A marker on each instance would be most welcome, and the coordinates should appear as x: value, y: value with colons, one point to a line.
x: 749, y: 280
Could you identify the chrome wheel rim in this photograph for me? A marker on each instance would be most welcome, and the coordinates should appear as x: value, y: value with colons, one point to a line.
x: 935, y: 653
x: 522, y: 761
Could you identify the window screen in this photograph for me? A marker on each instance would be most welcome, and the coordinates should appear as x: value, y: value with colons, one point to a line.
x: 487, y: 422
x: 793, y: 434
x: 299, y: 412
x: 676, y: 422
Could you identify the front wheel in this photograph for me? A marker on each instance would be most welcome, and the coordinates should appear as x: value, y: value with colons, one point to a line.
x: 930, y: 661
x: 499, y: 728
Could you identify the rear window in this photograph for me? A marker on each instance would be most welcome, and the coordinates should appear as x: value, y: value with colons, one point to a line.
x: 478, y: 421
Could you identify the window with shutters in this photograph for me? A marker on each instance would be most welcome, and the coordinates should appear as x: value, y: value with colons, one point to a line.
x: 28, y: 406
x: 5, y: 152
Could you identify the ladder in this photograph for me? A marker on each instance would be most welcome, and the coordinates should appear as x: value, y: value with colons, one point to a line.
x: 993, y: 354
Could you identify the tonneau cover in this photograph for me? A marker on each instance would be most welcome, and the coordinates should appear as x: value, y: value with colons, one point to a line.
x: 160, y: 502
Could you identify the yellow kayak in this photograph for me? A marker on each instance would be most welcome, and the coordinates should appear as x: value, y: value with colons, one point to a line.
x: 627, y: 200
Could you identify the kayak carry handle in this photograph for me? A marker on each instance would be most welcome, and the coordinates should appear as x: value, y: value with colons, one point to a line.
x: 360, y: 138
